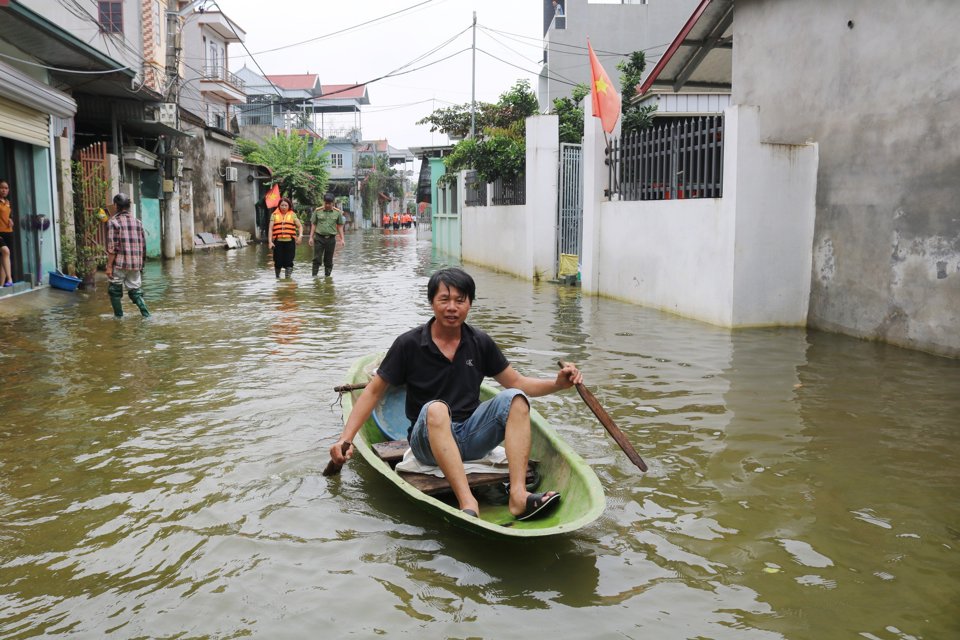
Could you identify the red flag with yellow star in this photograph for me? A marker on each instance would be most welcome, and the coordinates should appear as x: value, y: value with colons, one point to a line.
x: 272, y: 199
x: 606, y: 101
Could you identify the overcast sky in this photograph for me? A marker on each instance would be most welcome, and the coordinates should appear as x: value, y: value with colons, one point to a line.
x: 329, y: 38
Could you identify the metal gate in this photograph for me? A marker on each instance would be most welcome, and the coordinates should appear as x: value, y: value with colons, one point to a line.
x: 94, y: 194
x: 570, y: 209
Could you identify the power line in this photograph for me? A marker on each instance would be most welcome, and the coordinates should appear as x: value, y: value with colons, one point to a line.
x: 344, y: 30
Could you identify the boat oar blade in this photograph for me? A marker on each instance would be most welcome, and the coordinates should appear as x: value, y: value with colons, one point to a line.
x: 610, y: 425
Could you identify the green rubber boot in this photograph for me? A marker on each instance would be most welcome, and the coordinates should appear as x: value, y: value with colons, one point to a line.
x: 115, y: 291
x: 137, y: 296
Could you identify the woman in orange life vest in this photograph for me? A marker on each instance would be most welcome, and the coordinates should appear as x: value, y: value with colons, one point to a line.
x: 396, y: 221
x: 386, y: 221
x: 284, y: 235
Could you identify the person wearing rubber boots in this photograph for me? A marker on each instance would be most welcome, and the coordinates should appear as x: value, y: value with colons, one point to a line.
x: 126, y: 253
x: 326, y: 233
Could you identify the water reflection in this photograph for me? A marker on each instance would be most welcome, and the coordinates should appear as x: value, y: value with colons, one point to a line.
x: 156, y: 481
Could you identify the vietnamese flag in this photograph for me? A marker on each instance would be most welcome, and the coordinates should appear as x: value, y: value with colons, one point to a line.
x: 606, y: 101
x: 272, y: 199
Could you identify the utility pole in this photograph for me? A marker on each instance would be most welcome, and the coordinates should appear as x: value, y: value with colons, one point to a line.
x: 473, y: 89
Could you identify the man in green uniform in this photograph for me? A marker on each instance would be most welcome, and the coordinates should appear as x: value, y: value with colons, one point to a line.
x: 326, y: 232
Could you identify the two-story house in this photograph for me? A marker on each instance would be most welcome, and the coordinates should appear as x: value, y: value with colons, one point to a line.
x: 615, y: 31
x: 208, y: 97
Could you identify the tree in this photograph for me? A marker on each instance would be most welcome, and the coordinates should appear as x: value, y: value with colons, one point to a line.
x: 382, y: 179
x: 570, y: 113
x: 499, y: 148
x: 299, y: 167
x: 633, y: 117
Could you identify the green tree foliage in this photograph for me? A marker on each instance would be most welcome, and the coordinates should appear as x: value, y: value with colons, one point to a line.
x: 499, y: 148
x: 299, y: 167
x: 633, y: 117
x: 570, y: 113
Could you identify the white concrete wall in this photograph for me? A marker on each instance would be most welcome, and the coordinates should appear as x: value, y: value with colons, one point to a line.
x: 520, y: 239
x: 773, y: 187
x: 496, y: 238
x: 739, y: 260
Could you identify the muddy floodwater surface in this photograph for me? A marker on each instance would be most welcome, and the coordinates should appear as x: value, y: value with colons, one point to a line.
x: 161, y: 478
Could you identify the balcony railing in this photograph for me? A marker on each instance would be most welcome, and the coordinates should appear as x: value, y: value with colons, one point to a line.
x: 218, y: 73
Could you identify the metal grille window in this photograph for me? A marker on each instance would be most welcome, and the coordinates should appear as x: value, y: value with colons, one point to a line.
x: 111, y: 17
x: 476, y: 190
x: 676, y: 160
x: 510, y: 191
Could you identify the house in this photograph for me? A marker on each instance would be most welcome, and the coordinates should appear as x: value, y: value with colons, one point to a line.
x: 81, y: 85
x: 208, y: 97
x: 338, y: 107
x: 885, y: 248
x: 330, y: 113
x: 615, y: 31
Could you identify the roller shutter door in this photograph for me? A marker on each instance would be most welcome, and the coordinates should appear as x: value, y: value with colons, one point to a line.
x: 23, y: 123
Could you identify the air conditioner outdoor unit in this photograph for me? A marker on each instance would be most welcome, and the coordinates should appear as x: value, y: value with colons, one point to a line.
x: 230, y: 174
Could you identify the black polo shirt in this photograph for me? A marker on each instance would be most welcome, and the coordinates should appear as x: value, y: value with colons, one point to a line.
x: 414, y: 360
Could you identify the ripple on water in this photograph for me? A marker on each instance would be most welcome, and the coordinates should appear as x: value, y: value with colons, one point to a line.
x: 162, y: 478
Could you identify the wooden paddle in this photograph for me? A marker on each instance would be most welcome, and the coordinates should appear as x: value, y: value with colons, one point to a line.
x: 332, y: 467
x: 609, y: 424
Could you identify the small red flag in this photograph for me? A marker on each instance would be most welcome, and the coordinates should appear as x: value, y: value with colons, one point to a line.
x: 272, y: 199
x: 606, y: 101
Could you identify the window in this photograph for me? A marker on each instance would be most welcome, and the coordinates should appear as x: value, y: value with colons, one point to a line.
x: 213, y: 62
x: 111, y: 17
x: 336, y: 160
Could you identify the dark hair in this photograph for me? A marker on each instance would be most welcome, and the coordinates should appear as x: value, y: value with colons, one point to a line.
x: 328, y: 197
x: 122, y: 201
x: 287, y: 200
x: 455, y: 278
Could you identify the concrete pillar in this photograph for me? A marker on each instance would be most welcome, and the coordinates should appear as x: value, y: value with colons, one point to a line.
x: 542, y: 162
x: 67, y: 238
x: 594, y: 183
x: 186, y: 213
x: 172, y: 239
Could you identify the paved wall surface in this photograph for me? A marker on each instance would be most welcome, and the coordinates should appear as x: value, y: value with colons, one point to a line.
x: 886, y: 250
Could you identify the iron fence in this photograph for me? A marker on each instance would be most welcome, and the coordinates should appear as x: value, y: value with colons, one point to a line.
x: 476, y: 190
x: 510, y: 191
x: 680, y: 159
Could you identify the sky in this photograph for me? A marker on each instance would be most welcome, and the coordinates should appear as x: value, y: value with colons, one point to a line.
x: 330, y: 38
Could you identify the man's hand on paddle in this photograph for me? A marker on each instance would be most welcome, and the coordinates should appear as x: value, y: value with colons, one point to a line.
x: 337, y: 449
x: 569, y: 375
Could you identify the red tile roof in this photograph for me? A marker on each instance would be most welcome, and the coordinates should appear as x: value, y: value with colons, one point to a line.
x: 343, y: 91
x: 306, y: 81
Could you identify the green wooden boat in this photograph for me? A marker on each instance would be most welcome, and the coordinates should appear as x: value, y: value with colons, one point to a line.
x: 559, y: 469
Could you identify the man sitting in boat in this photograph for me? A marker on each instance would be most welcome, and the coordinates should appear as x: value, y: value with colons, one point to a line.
x: 443, y: 364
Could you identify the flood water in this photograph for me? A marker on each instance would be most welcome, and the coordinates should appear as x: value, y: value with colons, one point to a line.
x: 162, y: 478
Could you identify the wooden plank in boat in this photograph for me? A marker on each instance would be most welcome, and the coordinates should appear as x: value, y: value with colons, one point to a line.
x: 392, y: 452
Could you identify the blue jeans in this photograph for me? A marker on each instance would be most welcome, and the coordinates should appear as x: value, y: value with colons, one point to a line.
x: 476, y: 436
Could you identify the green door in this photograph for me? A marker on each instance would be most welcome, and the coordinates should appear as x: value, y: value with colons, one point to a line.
x: 150, y: 210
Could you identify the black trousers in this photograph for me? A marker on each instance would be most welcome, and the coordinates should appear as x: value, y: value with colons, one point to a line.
x: 323, y: 248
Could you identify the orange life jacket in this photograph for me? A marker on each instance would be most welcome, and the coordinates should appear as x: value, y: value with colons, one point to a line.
x: 284, y: 227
